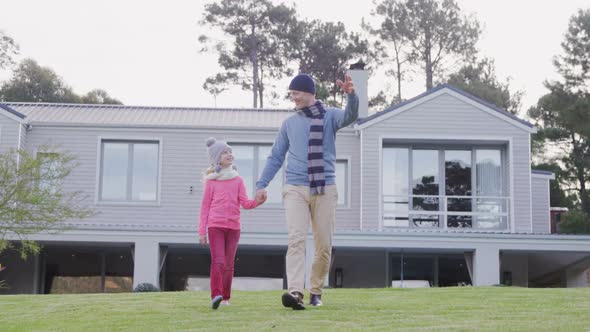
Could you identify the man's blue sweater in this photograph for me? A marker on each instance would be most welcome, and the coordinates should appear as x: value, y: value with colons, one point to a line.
x: 293, y: 139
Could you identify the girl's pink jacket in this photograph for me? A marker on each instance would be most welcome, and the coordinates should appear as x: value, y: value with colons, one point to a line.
x: 221, y: 204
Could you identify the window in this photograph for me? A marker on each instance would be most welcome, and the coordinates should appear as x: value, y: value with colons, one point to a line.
x: 489, y: 186
x: 458, y: 187
x: 447, y: 187
x: 425, y: 187
x: 395, y: 187
x: 250, y: 160
x: 342, y: 184
x: 129, y: 171
x: 50, y: 172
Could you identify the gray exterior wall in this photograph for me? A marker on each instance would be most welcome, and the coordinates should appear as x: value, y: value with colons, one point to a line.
x: 518, y: 265
x: 9, y: 131
x: 348, y: 145
x: 361, y: 268
x: 435, y: 119
x: 540, y: 195
x: 183, y: 159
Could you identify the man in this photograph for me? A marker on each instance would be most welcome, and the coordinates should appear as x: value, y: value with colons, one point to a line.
x: 308, y: 140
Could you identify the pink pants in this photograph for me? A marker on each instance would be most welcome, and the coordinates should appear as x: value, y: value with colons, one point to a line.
x: 223, y: 243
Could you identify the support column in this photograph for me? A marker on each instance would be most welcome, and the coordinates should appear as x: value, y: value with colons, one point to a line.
x: 37, y: 274
x: 146, y: 263
x: 486, y: 266
x: 387, y: 269
x: 576, y: 277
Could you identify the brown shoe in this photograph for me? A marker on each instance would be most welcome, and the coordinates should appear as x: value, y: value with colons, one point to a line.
x: 293, y: 300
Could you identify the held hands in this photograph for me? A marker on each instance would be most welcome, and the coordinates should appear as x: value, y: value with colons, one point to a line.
x: 203, y: 239
x: 347, y: 86
x: 260, y: 196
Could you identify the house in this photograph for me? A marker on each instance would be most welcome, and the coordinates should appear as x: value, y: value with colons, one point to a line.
x: 436, y: 191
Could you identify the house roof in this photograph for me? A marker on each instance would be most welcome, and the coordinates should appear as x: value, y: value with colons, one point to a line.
x: 12, y: 112
x: 478, y: 100
x: 150, y: 116
x: 141, y: 116
x: 543, y: 174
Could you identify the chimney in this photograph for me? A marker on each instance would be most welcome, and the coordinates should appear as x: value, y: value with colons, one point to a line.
x: 360, y: 78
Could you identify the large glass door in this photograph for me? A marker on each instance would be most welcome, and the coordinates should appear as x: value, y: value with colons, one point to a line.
x: 450, y: 187
x: 425, y: 188
x: 458, y: 186
x: 395, y: 187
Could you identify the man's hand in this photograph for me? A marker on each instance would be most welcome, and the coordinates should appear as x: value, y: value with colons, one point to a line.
x: 261, y: 196
x: 347, y: 86
x: 203, y: 239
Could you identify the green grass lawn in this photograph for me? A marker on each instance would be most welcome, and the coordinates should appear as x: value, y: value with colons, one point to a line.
x: 457, y: 309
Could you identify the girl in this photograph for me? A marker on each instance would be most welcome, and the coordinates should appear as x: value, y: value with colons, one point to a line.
x: 220, y: 217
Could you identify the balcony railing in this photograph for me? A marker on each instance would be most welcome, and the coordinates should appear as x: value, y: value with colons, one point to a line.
x: 446, y: 212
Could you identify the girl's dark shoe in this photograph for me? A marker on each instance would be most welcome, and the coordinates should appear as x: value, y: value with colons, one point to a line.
x: 216, y: 301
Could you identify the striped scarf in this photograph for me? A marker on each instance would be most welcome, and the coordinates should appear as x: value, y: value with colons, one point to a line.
x: 315, y: 147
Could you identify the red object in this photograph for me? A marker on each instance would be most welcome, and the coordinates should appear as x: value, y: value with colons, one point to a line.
x: 223, y: 243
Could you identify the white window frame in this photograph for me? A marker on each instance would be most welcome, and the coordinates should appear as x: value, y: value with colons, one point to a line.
x: 127, y: 139
x: 347, y: 182
x: 465, y: 142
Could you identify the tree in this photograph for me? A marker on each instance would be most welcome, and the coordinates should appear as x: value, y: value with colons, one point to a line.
x: 380, y: 101
x: 575, y: 222
x: 392, y: 43
x: 33, y: 197
x: 217, y: 84
x: 263, y: 38
x: 33, y: 83
x: 8, y: 49
x: 563, y: 118
x: 326, y: 54
x: 558, y: 196
x: 98, y: 96
x: 574, y: 63
x: 436, y: 31
x: 564, y: 113
x: 479, y: 78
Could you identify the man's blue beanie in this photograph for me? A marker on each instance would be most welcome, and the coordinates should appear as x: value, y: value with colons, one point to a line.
x: 302, y: 82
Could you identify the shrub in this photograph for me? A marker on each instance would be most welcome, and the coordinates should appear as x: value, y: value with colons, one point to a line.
x: 146, y: 287
x: 575, y: 222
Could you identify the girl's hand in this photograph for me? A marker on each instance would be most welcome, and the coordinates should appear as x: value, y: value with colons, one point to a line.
x: 203, y: 239
x: 260, y: 197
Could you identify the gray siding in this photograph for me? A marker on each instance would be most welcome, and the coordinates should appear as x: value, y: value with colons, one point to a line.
x: 8, y: 133
x: 183, y: 160
x: 541, y: 215
x: 447, y: 116
x: 348, y: 144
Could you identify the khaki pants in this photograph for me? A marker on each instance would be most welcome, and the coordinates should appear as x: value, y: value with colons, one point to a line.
x: 301, y: 208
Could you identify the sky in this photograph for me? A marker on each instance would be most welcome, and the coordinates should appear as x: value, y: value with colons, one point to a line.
x: 146, y: 52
